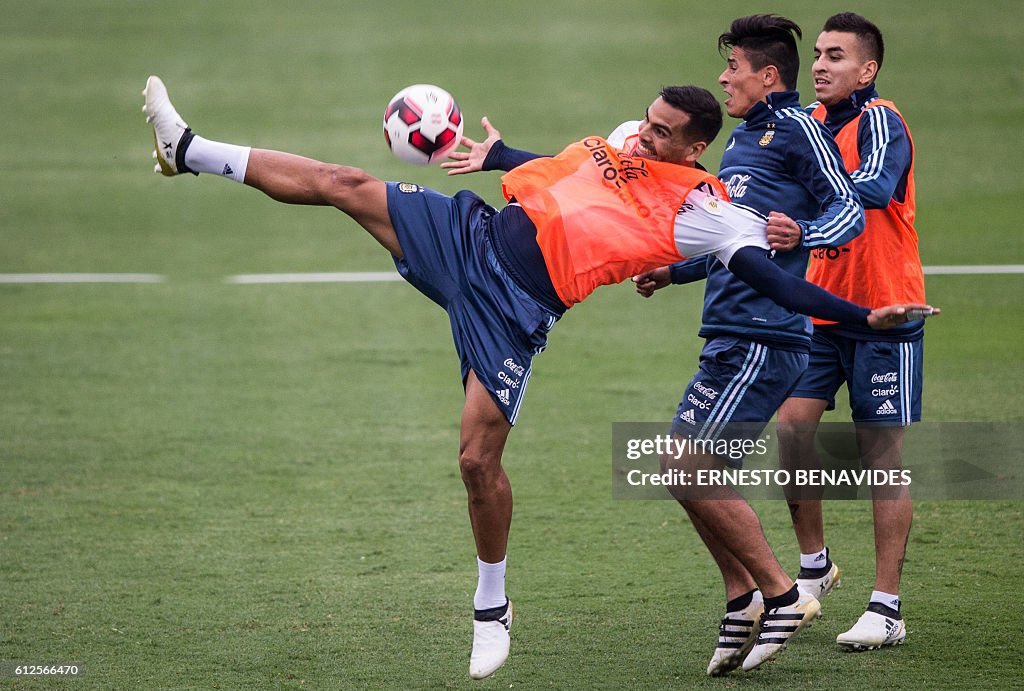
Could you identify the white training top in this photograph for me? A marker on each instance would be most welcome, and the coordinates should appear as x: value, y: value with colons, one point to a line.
x: 705, y: 224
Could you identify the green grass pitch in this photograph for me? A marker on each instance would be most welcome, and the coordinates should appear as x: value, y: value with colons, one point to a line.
x: 206, y: 485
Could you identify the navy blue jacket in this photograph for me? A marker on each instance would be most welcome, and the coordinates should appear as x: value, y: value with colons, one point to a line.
x: 779, y: 159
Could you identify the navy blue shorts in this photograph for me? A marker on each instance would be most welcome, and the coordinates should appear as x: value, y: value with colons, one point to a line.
x: 736, y: 391
x: 497, y: 327
x: 884, y: 378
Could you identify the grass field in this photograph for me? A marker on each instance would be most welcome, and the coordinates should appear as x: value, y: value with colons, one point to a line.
x: 206, y: 485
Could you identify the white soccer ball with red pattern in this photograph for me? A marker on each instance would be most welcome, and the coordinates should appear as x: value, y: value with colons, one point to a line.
x: 422, y: 124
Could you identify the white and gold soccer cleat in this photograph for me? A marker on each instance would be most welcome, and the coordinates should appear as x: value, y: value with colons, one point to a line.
x: 778, y: 626
x: 819, y: 586
x: 171, y: 134
x: 736, y: 636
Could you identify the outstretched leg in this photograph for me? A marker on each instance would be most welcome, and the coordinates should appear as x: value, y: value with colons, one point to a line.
x: 294, y: 179
x: 285, y: 177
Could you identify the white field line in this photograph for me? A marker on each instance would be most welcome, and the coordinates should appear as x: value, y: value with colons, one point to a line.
x: 966, y: 269
x: 82, y: 278
x: 351, y: 277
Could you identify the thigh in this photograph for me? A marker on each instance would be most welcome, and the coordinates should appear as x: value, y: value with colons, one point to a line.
x: 484, y: 427
x: 826, y: 370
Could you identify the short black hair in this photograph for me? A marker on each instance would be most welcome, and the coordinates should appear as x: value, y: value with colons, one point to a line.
x: 701, y: 106
x: 766, y: 39
x: 867, y: 33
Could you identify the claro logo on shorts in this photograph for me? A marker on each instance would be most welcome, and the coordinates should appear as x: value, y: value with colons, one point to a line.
x: 697, y: 403
x: 507, y: 380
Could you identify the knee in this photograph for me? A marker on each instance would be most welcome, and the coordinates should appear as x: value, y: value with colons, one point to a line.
x: 478, y: 469
x: 795, y: 437
x: 798, y: 419
x: 668, y: 462
x: 341, y: 183
x: 790, y: 432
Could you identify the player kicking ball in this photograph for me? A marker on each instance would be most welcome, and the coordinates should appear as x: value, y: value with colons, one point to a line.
x: 585, y: 218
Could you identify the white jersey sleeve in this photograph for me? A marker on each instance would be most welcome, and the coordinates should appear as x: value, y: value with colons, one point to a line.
x: 625, y: 136
x: 706, y: 225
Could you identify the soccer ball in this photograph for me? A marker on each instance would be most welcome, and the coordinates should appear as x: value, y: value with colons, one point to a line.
x: 422, y: 124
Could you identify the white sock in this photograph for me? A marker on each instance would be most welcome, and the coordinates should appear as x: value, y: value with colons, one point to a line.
x: 216, y: 158
x: 814, y: 560
x: 888, y: 599
x: 490, y: 585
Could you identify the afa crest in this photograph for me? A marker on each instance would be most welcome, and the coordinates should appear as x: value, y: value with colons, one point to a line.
x: 767, y: 138
x: 712, y: 206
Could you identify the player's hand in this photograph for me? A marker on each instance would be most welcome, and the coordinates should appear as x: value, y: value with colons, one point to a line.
x: 472, y: 161
x: 895, y: 315
x: 783, y: 232
x: 650, y: 281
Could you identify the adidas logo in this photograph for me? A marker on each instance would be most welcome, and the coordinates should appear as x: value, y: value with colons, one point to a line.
x: 887, y: 408
x: 503, y: 396
x: 688, y: 417
x: 227, y: 170
x: 820, y: 557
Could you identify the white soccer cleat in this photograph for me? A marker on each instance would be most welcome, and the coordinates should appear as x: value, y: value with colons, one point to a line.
x: 873, y: 630
x: 491, y: 641
x: 778, y: 626
x: 736, y: 636
x: 171, y: 133
x: 820, y: 586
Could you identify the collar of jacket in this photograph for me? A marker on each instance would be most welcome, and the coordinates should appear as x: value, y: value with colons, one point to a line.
x: 762, y: 111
